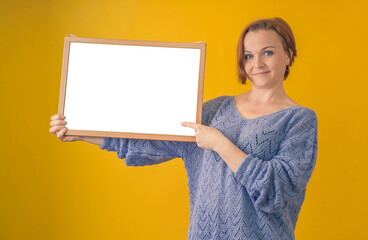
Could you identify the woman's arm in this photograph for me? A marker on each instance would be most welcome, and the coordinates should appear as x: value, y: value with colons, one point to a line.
x: 142, y: 152
x: 230, y: 153
x: 137, y: 152
x: 94, y: 140
x: 270, y: 183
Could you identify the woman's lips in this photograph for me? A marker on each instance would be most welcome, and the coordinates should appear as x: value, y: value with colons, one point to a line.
x: 261, y: 73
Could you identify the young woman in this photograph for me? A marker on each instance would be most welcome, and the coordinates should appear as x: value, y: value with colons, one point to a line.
x: 254, y: 153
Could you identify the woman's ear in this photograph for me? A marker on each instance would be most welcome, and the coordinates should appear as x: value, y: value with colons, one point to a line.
x: 289, y: 57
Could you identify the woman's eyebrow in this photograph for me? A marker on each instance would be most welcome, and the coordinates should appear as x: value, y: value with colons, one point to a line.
x: 262, y: 48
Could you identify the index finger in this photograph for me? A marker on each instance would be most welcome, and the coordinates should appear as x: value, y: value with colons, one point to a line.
x: 189, y: 124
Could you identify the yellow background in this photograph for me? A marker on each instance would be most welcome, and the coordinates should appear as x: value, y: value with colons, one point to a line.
x: 54, y: 190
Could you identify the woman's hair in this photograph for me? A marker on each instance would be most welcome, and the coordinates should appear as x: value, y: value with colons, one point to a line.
x: 280, y: 27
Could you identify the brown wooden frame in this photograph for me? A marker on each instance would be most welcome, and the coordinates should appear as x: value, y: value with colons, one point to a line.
x: 62, y: 96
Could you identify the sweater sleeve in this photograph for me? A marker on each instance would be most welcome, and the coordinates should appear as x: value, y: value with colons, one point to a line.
x: 271, y: 184
x: 141, y: 152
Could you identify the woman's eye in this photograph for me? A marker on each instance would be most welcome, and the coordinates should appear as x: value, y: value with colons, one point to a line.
x: 269, y: 53
x: 248, y: 56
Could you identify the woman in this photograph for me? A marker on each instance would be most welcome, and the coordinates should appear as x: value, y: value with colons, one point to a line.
x: 254, y: 153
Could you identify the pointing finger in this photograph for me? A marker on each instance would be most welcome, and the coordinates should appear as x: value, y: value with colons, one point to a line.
x: 189, y: 124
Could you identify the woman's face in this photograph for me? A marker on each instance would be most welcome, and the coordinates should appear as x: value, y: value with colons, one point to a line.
x: 265, y: 58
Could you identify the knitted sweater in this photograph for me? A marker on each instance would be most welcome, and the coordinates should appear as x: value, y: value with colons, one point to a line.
x: 263, y: 198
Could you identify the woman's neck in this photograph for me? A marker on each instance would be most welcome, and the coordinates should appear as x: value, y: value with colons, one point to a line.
x: 264, y: 96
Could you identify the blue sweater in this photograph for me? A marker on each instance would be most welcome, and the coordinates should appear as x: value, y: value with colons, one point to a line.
x: 263, y: 198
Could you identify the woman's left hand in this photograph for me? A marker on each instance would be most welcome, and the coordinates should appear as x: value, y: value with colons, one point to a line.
x: 206, y: 137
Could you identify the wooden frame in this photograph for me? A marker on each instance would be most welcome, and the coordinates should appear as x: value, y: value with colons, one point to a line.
x: 131, y: 89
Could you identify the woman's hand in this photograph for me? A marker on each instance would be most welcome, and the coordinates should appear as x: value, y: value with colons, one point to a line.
x: 58, y: 128
x: 206, y: 137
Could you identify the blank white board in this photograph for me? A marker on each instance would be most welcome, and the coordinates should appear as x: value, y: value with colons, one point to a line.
x: 132, y: 89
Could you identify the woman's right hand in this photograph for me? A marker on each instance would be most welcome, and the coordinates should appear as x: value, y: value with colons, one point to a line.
x: 58, y: 129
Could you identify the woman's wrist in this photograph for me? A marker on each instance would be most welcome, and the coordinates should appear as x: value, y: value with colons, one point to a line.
x: 222, y: 140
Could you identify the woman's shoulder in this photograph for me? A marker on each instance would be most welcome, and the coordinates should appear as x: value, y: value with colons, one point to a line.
x: 300, y: 110
x: 303, y: 111
x: 303, y: 117
x: 211, y: 107
x: 217, y: 100
x: 215, y: 103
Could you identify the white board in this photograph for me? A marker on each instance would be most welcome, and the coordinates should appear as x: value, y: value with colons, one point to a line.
x: 128, y: 88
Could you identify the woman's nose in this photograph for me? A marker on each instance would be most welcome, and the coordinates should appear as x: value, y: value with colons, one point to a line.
x: 258, y: 63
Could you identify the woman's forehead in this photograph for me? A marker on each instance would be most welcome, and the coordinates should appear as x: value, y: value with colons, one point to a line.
x: 260, y: 39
